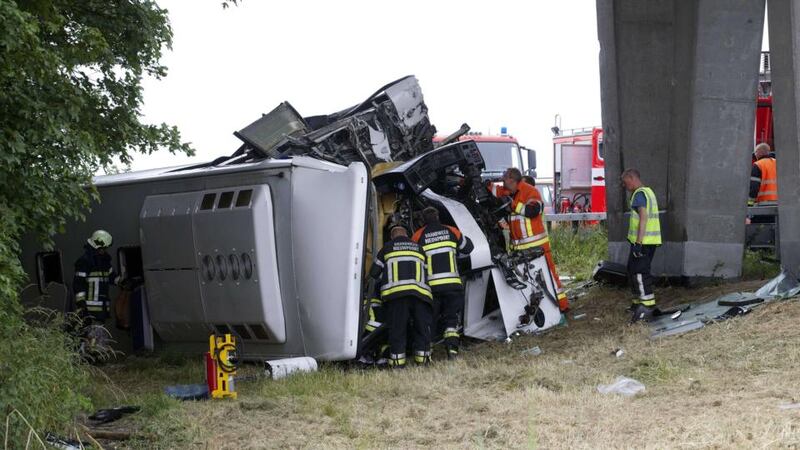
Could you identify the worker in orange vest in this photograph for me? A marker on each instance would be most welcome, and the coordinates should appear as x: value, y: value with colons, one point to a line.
x: 527, y: 226
x: 764, y: 178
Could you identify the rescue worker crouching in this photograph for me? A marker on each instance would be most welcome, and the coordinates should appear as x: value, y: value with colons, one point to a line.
x: 644, y: 235
x: 525, y: 208
x: 441, y: 244
x: 400, y: 267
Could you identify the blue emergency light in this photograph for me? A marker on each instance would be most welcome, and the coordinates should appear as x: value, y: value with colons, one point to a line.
x: 503, y: 131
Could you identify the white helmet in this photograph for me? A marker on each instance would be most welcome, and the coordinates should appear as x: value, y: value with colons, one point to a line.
x: 100, y: 238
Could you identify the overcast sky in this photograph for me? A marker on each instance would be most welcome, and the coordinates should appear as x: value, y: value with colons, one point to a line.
x: 490, y: 64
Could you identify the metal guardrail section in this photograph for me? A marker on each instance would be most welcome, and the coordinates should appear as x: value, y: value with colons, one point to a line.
x: 762, y: 210
x: 574, y: 217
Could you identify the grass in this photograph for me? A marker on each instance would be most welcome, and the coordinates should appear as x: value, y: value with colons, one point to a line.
x: 577, y: 252
x: 759, y: 265
x: 716, y: 387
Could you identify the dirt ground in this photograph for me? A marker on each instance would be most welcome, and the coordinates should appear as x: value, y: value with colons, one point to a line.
x: 718, y: 387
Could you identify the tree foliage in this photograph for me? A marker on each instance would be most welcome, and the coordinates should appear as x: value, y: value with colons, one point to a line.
x: 70, y: 99
x: 71, y: 72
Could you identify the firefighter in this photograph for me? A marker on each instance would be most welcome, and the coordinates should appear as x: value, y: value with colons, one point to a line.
x: 644, y: 235
x: 441, y: 244
x: 400, y: 267
x: 525, y: 207
x: 763, y: 178
x: 93, y: 275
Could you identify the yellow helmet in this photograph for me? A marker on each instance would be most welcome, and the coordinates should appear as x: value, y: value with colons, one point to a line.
x: 100, y: 238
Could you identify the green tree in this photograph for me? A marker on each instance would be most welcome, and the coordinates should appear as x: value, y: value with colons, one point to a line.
x: 70, y: 99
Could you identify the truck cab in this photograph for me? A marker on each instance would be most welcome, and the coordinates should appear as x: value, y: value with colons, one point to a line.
x: 501, y: 152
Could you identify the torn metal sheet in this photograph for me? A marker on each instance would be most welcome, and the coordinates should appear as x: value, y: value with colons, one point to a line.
x: 727, y: 306
x: 739, y: 299
x: 785, y: 285
x: 406, y: 96
x: 390, y: 125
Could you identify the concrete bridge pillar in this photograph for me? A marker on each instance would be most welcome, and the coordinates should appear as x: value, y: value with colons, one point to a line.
x: 784, y: 45
x: 678, y: 87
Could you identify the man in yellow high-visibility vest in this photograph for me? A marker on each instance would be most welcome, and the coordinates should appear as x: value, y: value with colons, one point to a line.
x: 644, y: 234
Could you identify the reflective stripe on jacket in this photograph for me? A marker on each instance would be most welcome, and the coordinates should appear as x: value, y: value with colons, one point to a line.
x: 768, y: 189
x: 442, y: 244
x: 652, y: 230
x: 526, y: 232
x: 94, y: 274
x: 400, y: 266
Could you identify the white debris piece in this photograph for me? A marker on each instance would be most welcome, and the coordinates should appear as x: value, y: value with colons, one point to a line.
x: 622, y: 386
x: 282, y: 368
x: 535, y: 351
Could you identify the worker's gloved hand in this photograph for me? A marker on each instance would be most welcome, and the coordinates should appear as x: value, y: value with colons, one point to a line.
x: 507, y: 201
x: 638, y: 252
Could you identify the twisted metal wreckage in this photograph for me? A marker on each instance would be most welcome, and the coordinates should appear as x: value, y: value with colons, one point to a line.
x: 272, y: 243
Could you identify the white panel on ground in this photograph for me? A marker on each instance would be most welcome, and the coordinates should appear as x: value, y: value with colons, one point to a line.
x: 512, y: 301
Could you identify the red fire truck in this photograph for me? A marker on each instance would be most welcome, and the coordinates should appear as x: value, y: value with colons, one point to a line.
x: 501, y: 152
x: 764, y: 104
x: 579, y: 170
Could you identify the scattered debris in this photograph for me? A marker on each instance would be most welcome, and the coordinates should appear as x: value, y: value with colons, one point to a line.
x: 733, y: 312
x: 579, y: 316
x: 735, y: 304
x: 622, y: 386
x: 618, y: 352
x: 282, y: 368
x: 535, y: 351
x: 608, y: 272
x: 187, y: 391
x: 112, y: 414
x: 739, y: 299
x: 62, y: 442
x: 567, y: 361
x: 785, y: 285
x: 789, y: 406
x: 580, y: 289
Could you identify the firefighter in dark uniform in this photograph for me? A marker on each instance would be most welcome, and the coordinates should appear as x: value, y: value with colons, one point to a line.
x: 400, y: 267
x: 93, y: 275
x: 442, y: 244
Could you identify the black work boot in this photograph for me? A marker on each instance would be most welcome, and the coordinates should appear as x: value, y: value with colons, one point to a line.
x: 642, y: 313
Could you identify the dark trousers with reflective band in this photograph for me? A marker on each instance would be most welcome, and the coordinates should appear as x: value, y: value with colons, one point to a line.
x: 449, y: 307
x: 398, y: 313
x: 639, y: 275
